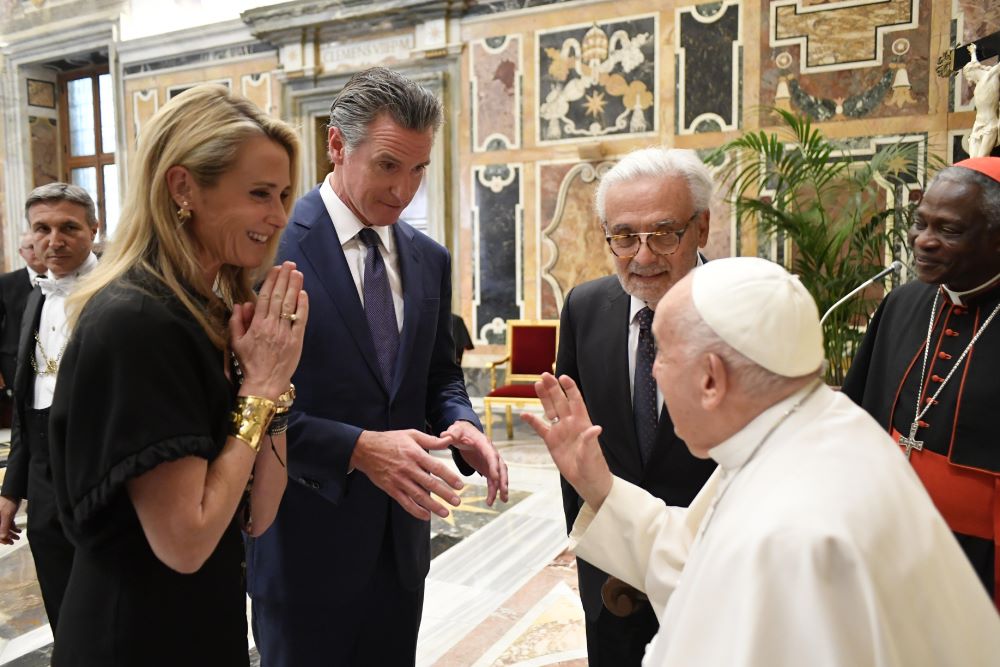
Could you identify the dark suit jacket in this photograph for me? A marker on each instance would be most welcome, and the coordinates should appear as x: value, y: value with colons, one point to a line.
x: 331, y: 524
x: 14, y: 290
x: 593, y: 350
x: 16, y: 479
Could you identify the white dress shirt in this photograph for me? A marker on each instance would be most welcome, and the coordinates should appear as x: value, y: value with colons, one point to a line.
x: 347, y: 226
x: 52, y: 332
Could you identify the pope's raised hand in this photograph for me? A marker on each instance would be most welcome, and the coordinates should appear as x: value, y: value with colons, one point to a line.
x: 571, y: 438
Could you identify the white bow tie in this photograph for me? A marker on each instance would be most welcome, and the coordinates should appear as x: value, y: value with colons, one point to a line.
x: 58, y: 287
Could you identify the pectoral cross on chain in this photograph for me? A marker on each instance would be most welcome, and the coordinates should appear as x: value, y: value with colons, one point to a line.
x: 910, y: 441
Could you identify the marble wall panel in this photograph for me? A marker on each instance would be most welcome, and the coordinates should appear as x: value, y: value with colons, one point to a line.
x: 495, y: 77
x: 257, y: 88
x: 44, y: 150
x: 709, y: 67
x: 838, y: 61
x: 147, y: 86
x: 971, y: 20
x: 145, y: 103
x: 572, y: 246
x: 497, y: 229
x: 597, y: 80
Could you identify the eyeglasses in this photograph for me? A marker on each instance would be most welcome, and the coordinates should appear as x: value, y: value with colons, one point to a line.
x: 659, y: 243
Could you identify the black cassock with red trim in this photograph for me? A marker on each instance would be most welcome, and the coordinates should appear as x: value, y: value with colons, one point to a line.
x: 959, y: 462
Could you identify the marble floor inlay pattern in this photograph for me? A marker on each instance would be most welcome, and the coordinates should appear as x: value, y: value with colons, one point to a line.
x: 501, y: 588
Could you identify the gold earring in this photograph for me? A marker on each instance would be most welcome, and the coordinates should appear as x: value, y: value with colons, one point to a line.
x: 183, y: 214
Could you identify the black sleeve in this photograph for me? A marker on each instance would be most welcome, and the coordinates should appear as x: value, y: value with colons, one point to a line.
x: 566, y: 365
x: 857, y: 374
x: 15, y: 481
x: 137, y: 387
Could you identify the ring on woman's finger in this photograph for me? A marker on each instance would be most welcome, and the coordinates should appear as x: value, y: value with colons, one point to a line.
x: 291, y: 317
x: 554, y: 420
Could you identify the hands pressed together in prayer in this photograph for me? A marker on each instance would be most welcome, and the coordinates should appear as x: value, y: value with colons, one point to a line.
x: 397, y: 462
x: 571, y: 438
x: 267, y: 335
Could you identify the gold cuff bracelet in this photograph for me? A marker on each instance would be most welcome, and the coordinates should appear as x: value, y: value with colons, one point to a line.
x: 250, y: 419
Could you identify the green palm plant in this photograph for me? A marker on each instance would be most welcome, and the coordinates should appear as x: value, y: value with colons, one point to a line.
x: 797, y: 185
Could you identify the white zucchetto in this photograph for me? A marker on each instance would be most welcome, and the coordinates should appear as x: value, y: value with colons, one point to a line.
x: 761, y: 311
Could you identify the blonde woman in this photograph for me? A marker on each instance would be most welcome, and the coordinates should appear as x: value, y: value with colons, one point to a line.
x: 169, y: 387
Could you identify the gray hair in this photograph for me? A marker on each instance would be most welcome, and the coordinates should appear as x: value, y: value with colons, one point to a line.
x: 752, y: 378
x: 659, y: 162
x: 989, y: 199
x: 57, y: 192
x: 379, y: 90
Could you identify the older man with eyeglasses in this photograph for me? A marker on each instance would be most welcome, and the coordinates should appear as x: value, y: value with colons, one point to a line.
x: 653, y: 207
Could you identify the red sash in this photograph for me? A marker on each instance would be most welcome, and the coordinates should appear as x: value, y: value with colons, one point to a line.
x: 968, y: 499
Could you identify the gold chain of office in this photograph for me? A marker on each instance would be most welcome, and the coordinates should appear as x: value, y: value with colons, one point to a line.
x: 51, y: 365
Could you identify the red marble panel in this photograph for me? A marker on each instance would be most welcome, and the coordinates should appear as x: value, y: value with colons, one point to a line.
x: 496, y: 85
x: 573, y: 249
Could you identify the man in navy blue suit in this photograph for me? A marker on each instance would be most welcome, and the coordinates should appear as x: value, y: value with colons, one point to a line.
x: 339, y: 577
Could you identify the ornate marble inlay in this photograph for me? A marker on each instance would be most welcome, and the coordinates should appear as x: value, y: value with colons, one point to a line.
x: 597, y: 80
x: 840, y: 35
x: 573, y: 249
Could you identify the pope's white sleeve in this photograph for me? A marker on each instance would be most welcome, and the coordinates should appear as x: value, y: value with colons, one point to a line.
x: 638, y: 539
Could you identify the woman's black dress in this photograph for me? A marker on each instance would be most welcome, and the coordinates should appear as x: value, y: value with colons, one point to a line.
x: 140, y: 384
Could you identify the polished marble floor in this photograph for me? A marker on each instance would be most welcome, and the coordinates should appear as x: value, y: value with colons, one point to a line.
x: 502, y: 589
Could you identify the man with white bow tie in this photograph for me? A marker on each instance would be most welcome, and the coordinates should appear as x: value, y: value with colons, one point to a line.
x: 63, y: 223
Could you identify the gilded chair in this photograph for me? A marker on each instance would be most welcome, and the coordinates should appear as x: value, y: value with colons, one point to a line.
x: 531, y: 351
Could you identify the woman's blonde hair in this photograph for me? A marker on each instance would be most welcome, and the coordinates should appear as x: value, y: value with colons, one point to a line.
x: 202, y: 130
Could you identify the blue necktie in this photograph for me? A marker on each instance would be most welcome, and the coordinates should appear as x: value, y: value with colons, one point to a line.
x: 644, y: 387
x: 379, y: 308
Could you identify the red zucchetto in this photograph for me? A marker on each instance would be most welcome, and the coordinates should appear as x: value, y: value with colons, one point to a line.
x: 990, y: 166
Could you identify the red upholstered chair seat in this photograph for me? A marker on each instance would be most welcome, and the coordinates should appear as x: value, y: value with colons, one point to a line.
x: 531, y: 351
x: 514, y: 391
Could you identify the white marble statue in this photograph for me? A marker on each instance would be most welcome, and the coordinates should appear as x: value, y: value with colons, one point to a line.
x: 986, y: 97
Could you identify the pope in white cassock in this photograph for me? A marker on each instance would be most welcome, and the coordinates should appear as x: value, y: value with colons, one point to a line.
x: 813, y: 543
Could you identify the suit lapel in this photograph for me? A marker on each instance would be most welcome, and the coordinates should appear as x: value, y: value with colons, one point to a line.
x: 413, y: 296
x: 24, y: 376
x: 321, y: 246
x: 620, y: 392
